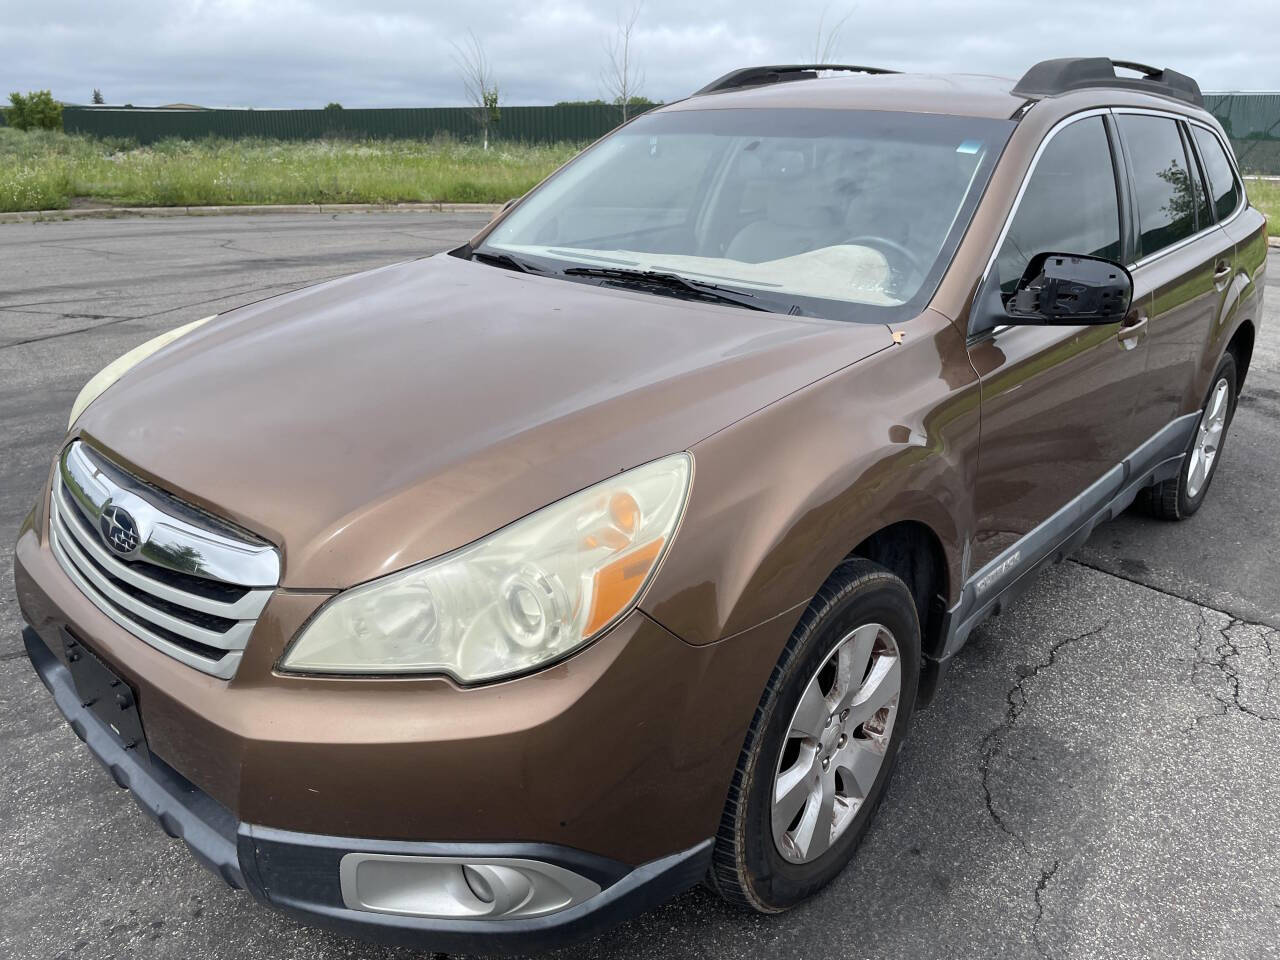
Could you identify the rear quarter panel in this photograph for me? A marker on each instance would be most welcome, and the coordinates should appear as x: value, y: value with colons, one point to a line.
x: 781, y: 497
x: 1249, y: 231
x: 1242, y: 302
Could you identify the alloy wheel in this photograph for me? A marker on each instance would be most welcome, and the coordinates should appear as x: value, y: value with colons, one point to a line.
x: 836, y: 743
x: 1208, y: 438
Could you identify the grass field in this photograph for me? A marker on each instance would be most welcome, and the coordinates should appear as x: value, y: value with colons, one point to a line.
x: 42, y: 170
x: 1265, y: 195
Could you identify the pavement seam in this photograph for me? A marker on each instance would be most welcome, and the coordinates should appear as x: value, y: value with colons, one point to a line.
x: 1171, y: 594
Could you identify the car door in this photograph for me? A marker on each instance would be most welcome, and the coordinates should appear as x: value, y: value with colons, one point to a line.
x: 1057, y: 402
x: 1182, y: 263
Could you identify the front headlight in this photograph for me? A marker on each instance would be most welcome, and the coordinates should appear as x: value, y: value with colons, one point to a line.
x: 117, y: 368
x: 520, y: 597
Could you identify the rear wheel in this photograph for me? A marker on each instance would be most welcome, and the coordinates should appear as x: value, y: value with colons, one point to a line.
x: 1181, y: 496
x: 823, y: 742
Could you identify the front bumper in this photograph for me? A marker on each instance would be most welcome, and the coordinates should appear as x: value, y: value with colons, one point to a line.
x: 614, y: 763
x: 299, y: 872
x: 625, y: 750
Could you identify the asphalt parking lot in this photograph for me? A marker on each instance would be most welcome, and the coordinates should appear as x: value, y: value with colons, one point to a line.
x: 1099, y: 776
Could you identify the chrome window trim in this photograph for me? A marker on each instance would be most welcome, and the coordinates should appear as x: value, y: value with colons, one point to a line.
x: 1097, y: 112
x: 1026, y: 180
x: 1241, y: 203
x: 1199, y: 234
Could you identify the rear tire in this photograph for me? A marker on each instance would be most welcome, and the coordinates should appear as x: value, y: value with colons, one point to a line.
x: 1181, y: 496
x: 823, y: 742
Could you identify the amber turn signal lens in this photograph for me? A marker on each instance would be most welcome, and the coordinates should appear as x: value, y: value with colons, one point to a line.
x: 617, y: 583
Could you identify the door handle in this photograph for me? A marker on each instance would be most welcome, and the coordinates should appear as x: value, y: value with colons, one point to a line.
x: 1133, y: 330
x: 1221, y: 273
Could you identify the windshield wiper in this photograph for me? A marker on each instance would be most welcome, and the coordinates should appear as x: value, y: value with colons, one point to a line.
x: 668, y: 283
x: 506, y: 261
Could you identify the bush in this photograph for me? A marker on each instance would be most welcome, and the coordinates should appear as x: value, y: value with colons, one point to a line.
x: 35, y: 111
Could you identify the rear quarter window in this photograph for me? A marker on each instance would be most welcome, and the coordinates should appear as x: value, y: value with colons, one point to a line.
x: 1161, y: 180
x: 1224, y: 189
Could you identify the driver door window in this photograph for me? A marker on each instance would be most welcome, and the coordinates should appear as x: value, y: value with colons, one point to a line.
x: 1070, y: 204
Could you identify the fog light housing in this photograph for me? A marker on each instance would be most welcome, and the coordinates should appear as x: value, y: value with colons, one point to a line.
x: 460, y: 888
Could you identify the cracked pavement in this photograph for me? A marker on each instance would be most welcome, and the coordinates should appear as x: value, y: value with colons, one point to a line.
x: 1098, y: 777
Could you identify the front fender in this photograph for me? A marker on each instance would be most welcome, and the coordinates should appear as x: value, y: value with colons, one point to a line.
x: 782, y: 497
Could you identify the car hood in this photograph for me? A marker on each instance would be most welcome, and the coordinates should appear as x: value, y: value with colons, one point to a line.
x: 368, y: 423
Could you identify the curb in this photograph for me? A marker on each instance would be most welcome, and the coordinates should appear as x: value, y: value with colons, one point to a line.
x: 1273, y: 242
x: 104, y: 213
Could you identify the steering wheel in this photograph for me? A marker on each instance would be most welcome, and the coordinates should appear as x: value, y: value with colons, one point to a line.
x: 893, y: 251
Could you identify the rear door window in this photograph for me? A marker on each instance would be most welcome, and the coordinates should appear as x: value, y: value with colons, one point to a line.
x: 1070, y: 203
x: 1223, y: 187
x: 1161, y: 181
x: 1204, y: 213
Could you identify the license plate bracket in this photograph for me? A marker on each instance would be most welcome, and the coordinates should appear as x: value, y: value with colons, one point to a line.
x: 104, y: 693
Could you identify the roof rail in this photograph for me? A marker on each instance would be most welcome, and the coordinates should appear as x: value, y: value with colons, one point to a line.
x: 759, y: 76
x: 1051, y: 77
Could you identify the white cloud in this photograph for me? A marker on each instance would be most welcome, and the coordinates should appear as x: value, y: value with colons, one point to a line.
x: 397, y: 52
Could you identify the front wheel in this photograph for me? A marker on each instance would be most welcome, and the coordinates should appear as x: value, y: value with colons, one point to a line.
x: 823, y: 742
x: 1181, y: 496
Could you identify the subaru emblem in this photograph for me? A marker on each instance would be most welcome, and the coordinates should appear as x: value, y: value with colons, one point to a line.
x: 119, y: 529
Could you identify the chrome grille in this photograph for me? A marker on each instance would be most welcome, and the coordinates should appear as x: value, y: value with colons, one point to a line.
x: 193, y: 586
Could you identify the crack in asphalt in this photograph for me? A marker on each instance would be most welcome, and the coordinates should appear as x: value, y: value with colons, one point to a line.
x: 1216, y: 650
x: 74, y: 315
x: 993, y: 746
x: 1041, y: 884
x: 1223, y: 662
x: 147, y: 316
x: 1016, y: 700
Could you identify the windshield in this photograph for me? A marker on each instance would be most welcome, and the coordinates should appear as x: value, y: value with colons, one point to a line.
x: 843, y: 214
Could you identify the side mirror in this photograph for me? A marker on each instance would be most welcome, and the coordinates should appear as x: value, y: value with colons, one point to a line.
x: 1068, y: 290
x: 503, y: 209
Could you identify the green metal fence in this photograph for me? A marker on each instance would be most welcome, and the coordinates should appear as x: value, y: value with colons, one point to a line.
x: 574, y: 123
x: 1252, y: 120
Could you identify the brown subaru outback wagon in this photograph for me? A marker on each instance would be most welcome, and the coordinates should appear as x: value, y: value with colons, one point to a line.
x: 479, y: 601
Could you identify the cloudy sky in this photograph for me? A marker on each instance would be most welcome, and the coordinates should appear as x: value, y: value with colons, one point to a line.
x: 305, y: 53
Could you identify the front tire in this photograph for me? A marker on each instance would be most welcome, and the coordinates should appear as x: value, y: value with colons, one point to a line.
x: 823, y: 742
x: 1181, y: 496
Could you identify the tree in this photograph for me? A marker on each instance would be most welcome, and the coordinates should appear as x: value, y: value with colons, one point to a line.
x: 826, y: 43
x: 622, y: 76
x: 97, y: 96
x: 335, y: 105
x: 478, y: 82
x: 35, y: 111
